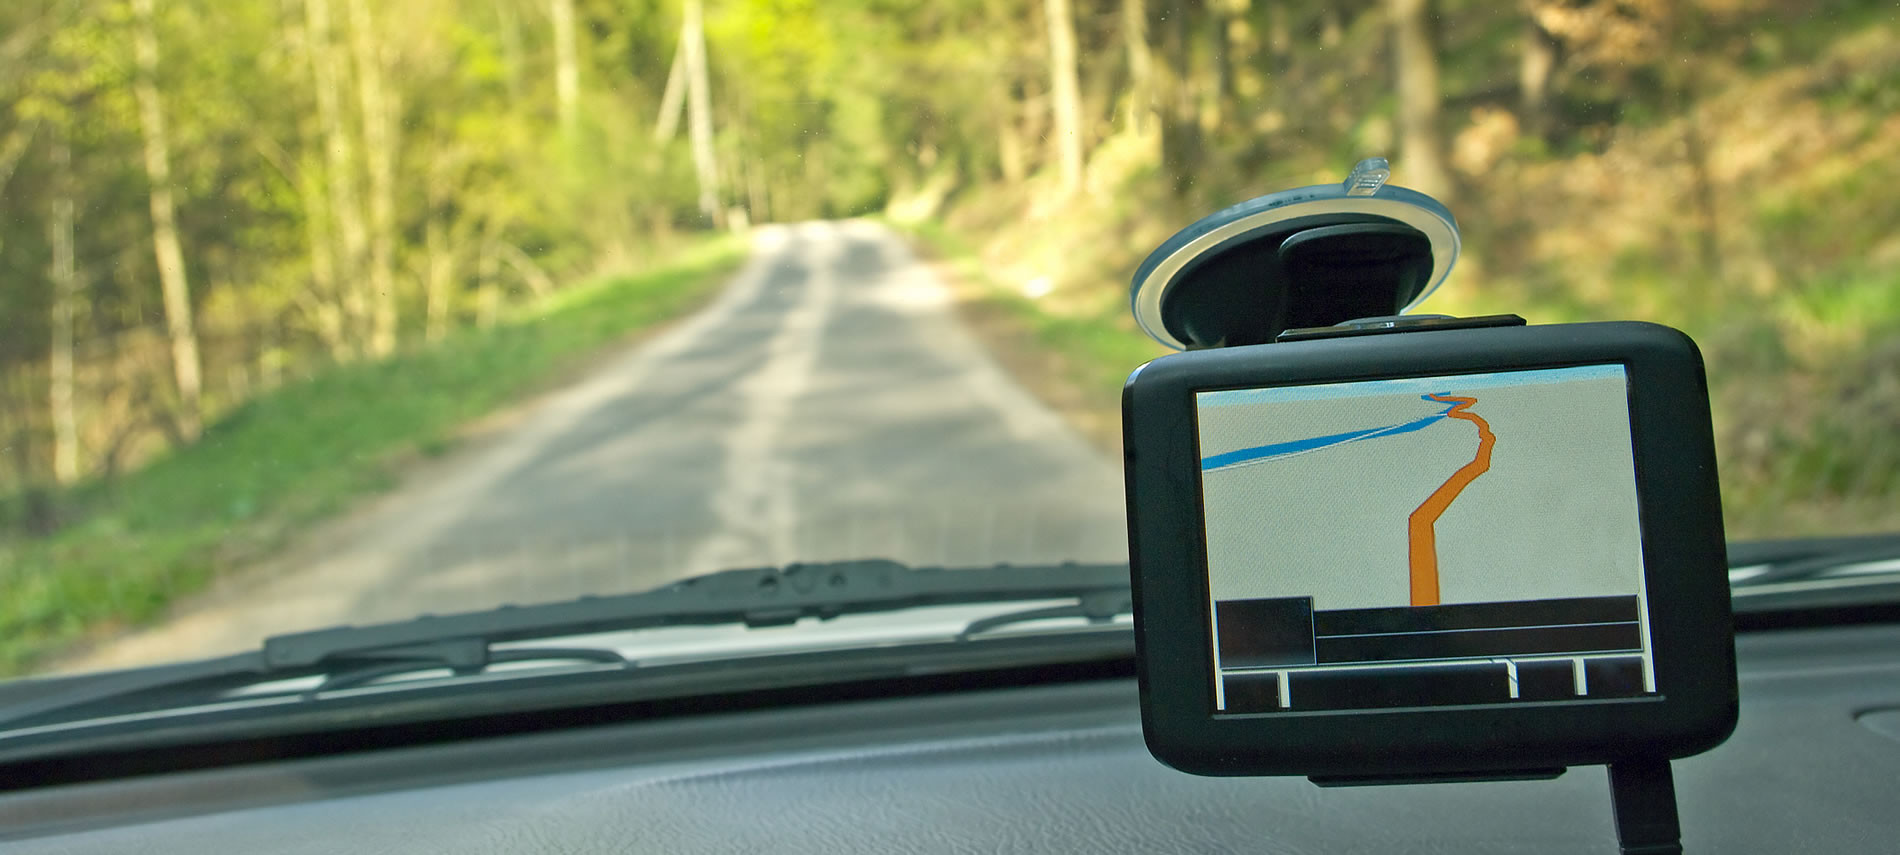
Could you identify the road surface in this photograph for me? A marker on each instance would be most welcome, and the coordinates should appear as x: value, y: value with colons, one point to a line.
x: 827, y: 405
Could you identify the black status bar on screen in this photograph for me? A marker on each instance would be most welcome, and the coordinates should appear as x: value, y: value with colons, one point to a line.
x: 1286, y: 631
x: 1279, y: 654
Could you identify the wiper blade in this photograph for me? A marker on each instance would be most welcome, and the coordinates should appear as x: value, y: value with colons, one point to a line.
x: 464, y: 643
x: 754, y: 597
x: 1814, y: 572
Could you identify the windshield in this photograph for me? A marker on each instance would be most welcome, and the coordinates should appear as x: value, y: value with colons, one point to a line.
x: 326, y: 312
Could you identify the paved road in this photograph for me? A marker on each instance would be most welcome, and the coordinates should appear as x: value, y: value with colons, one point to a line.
x: 827, y: 405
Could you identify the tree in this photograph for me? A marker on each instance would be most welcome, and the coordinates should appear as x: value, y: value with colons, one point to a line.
x: 699, y: 112
x: 339, y: 170
x: 1415, y: 61
x: 1140, y: 65
x: 1181, y: 138
x: 567, y: 73
x: 65, y: 280
x: 1537, y: 59
x: 673, y: 101
x: 166, y: 247
x: 1065, y: 99
x: 379, y: 149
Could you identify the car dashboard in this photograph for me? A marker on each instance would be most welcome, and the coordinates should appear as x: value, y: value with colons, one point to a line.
x: 1049, y: 766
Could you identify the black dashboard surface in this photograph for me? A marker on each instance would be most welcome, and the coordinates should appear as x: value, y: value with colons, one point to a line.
x: 1813, y: 767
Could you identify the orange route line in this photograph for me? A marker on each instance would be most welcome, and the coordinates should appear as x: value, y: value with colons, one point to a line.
x: 1423, y: 540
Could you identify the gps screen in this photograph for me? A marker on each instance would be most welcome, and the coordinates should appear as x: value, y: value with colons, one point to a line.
x: 1453, y: 540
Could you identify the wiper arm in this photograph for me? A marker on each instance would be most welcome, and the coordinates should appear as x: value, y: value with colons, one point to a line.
x: 464, y: 643
x: 1096, y: 607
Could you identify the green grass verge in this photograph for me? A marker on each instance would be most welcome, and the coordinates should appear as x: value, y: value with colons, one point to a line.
x: 1785, y: 472
x: 303, y: 452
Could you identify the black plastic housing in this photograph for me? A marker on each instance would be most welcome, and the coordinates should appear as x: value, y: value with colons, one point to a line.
x: 1685, y: 567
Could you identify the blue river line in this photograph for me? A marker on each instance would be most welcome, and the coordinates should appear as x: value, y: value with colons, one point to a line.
x: 1263, y: 453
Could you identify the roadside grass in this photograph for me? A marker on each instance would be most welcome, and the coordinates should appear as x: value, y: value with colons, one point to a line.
x: 304, y: 451
x: 1785, y: 471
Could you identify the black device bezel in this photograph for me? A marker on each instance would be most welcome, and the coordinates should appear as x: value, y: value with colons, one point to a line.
x: 1685, y: 567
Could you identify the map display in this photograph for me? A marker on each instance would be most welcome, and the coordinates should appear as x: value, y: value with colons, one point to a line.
x: 1465, y: 539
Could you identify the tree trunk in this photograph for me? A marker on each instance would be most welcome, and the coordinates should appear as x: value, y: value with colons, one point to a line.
x: 673, y: 99
x: 1180, y: 123
x: 170, y: 255
x: 758, y: 199
x: 323, y: 304
x: 1702, y: 187
x: 1011, y: 158
x: 1415, y: 54
x: 567, y: 73
x: 65, y: 281
x: 1279, y: 35
x: 379, y: 150
x: 488, y: 278
x: 339, y: 150
x: 436, y: 279
x: 513, y: 52
x: 438, y: 247
x: 1140, y: 65
x: 1332, y: 29
x: 1217, y: 99
x: 699, y: 112
x: 14, y: 148
x: 1065, y: 102
x: 321, y: 301
x: 1535, y: 64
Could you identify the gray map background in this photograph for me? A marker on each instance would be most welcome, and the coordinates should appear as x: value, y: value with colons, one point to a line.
x: 1555, y: 516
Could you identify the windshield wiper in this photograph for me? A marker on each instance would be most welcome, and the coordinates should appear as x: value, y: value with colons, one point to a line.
x: 1814, y: 573
x: 464, y: 643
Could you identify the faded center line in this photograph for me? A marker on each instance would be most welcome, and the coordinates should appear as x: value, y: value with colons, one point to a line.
x: 754, y: 504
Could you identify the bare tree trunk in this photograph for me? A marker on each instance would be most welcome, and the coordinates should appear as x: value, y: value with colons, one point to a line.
x: 1010, y: 155
x: 1702, y: 183
x: 1332, y: 29
x: 1065, y: 93
x: 65, y: 276
x: 379, y: 149
x: 567, y: 73
x: 1535, y: 63
x: 1279, y: 34
x: 322, y: 301
x: 1140, y: 65
x: 1217, y: 99
x: 758, y: 202
x: 513, y: 52
x: 488, y: 278
x: 340, y: 155
x: 186, y: 370
x: 14, y: 148
x: 699, y: 112
x: 673, y: 100
x: 439, y: 274
x: 1421, y: 151
x: 322, y: 304
x: 436, y: 279
x: 1181, y: 140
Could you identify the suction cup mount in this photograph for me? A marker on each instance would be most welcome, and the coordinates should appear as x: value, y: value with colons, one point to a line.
x: 1308, y: 257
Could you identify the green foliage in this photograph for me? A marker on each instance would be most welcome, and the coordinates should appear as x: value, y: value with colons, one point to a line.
x: 302, y: 452
x: 1721, y: 165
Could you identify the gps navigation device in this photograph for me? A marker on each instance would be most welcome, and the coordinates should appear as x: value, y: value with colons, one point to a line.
x: 1371, y: 547
x: 1458, y: 552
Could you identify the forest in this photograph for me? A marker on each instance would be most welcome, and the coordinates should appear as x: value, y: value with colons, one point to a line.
x: 206, y: 200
